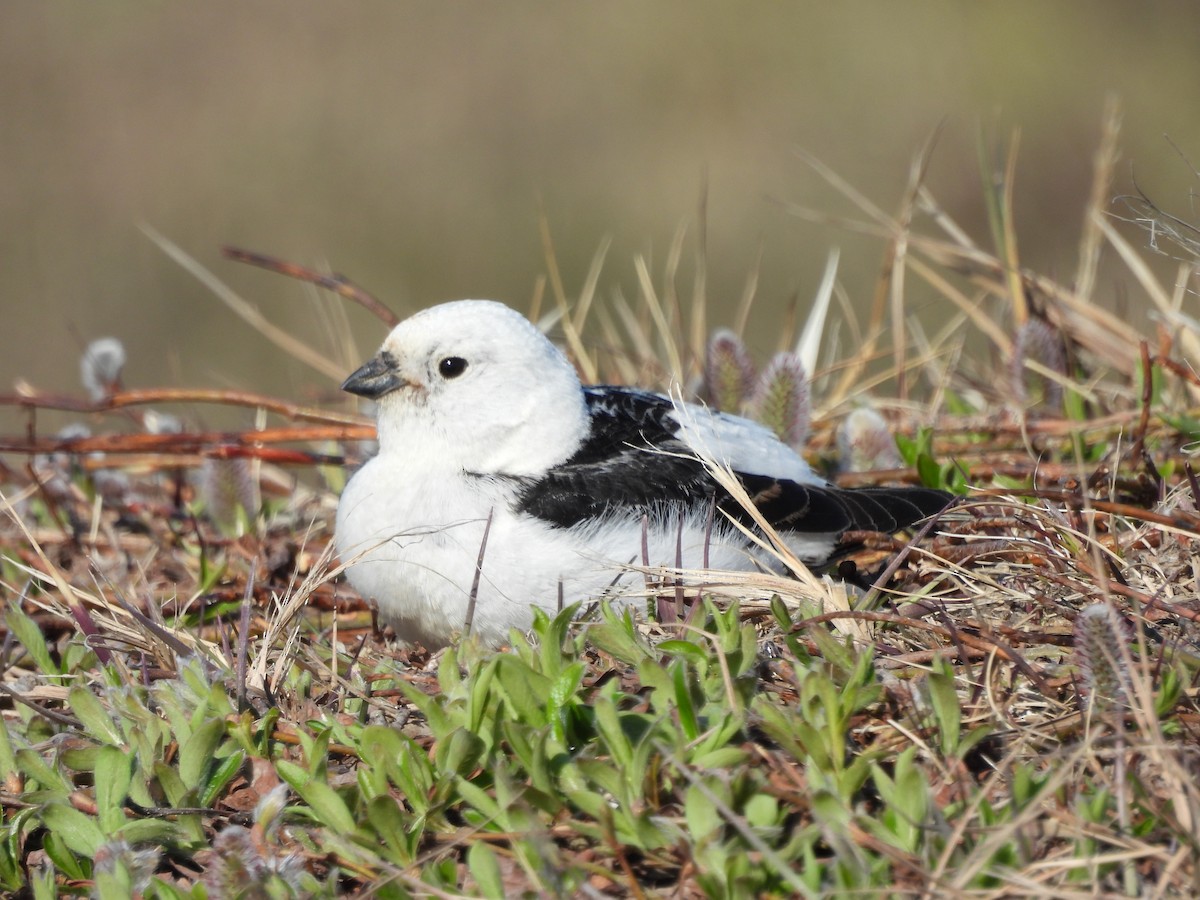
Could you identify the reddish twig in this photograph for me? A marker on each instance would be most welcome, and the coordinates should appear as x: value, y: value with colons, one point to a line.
x: 338, y: 284
x: 1182, y: 520
x: 123, y: 399
x: 218, y: 444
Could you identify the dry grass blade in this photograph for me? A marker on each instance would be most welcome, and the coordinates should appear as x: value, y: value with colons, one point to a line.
x: 665, y: 333
x: 338, y: 284
x: 809, y: 345
x: 119, y: 622
x: 246, y: 311
x: 1103, y: 164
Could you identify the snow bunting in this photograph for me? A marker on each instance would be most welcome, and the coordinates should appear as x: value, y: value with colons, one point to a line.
x: 483, y: 425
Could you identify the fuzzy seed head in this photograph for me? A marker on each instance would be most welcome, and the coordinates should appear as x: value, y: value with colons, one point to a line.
x: 111, y: 484
x: 728, y: 371
x: 269, y: 809
x: 1039, y: 342
x: 161, y: 423
x: 780, y: 399
x: 227, y: 485
x: 76, y: 431
x: 1100, y: 633
x: 139, y: 865
x: 100, y: 367
x: 242, y: 864
x: 55, y: 470
x: 866, y: 444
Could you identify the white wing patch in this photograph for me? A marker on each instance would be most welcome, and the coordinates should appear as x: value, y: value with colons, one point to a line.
x: 745, y: 446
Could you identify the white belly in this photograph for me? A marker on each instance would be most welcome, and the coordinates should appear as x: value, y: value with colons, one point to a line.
x: 413, y: 543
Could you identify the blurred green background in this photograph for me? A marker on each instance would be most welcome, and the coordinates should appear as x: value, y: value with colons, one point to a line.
x: 413, y: 146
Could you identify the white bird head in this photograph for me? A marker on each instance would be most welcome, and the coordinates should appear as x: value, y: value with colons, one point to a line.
x: 475, y: 385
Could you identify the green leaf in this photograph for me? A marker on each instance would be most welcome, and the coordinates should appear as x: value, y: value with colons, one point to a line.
x: 323, y: 800
x: 385, y: 815
x: 762, y: 811
x: 225, y: 772
x: 379, y: 750
x: 565, y: 686
x: 12, y: 856
x: 945, y: 704
x: 442, y: 874
x: 35, y: 769
x: 150, y: 831
x: 479, y: 799
x: 830, y: 809
x: 618, y: 636
x: 414, y: 776
x: 29, y: 635
x: 1074, y: 404
x: 912, y: 788
x: 43, y: 884
x: 8, y: 761
x: 608, y: 721
x: 431, y: 707
x: 82, y: 758
x: 906, y: 802
x: 172, y: 785
x: 316, y: 749
x: 81, y: 834
x: 114, y: 770
x: 196, y: 754
x: 721, y: 758
x: 553, y: 635
x: 701, y: 813
x: 460, y: 752
x: 485, y: 869
x: 1169, y: 691
x: 563, y: 703
x: 526, y: 692
x: 685, y: 649
x: 929, y: 470
x: 683, y: 703
x: 112, y: 884
x: 449, y: 677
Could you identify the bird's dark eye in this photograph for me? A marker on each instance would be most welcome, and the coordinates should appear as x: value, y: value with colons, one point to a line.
x: 452, y: 366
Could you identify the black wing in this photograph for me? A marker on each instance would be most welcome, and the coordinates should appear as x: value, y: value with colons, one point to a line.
x: 617, y: 468
x: 634, y: 461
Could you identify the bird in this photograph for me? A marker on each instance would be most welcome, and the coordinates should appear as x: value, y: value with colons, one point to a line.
x: 502, y: 483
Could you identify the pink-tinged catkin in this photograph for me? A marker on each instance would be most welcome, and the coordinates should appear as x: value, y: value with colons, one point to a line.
x: 100, y: 368
x: 56, y: 470
x: 1039, y: 342
x: 139, y: 865
x: 866, y: 444
x: 780, y: 399
x: 728, y: 371
x: 246, y: 862
x: 1100, y: 635
x: 242, y: 864
x: 225, y: 485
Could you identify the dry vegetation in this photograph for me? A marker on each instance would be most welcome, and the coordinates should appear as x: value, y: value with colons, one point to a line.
x: 192, y: 701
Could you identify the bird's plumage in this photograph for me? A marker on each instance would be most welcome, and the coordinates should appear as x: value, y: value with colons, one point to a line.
x: 480, y: 416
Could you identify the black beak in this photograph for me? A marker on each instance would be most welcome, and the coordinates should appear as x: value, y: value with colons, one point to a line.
x: 374, y: 378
